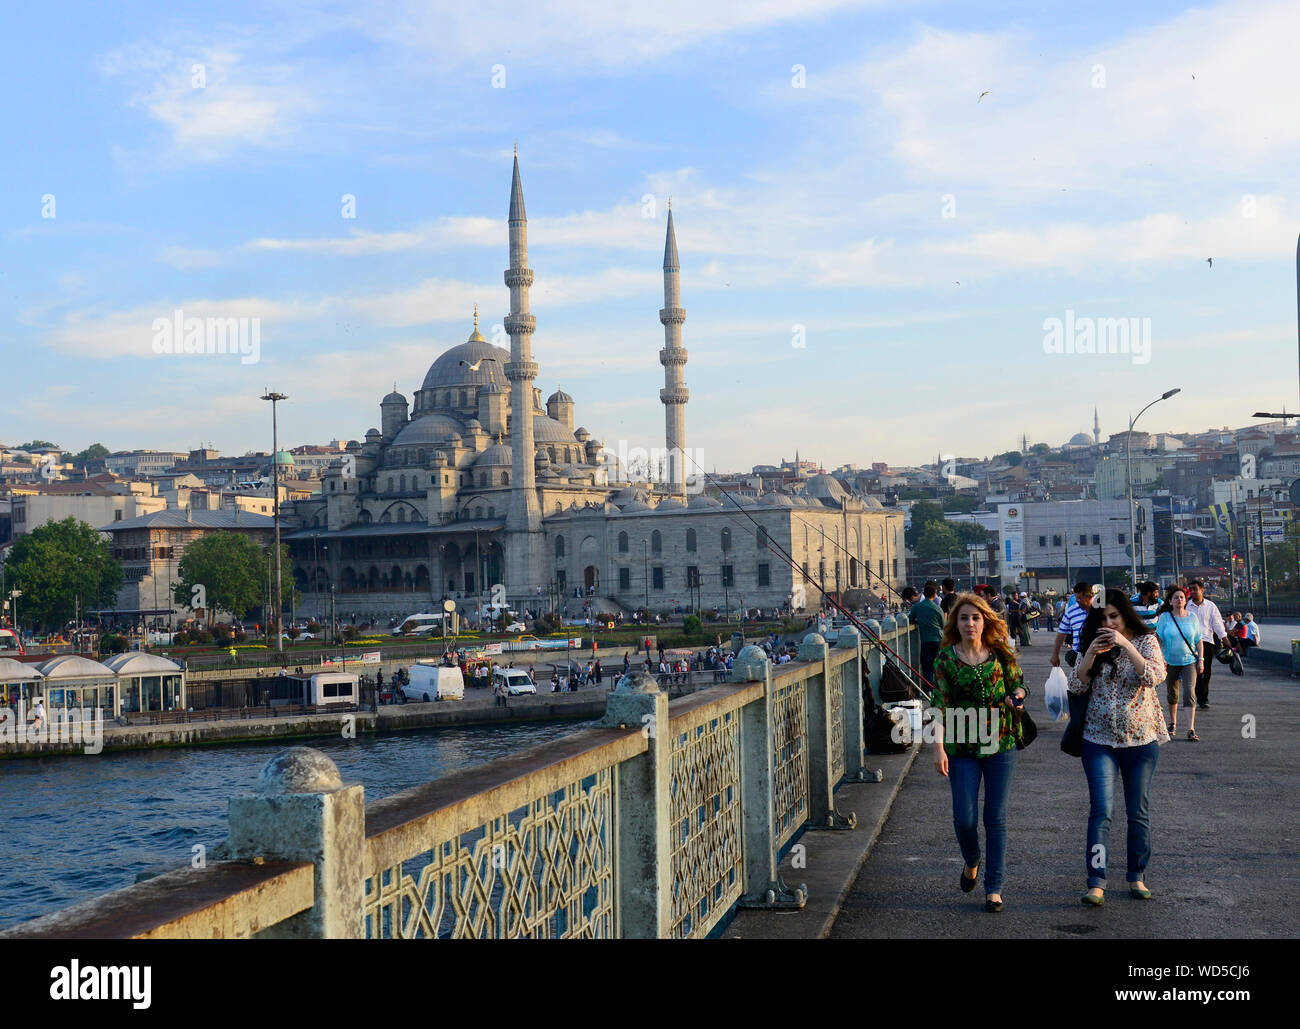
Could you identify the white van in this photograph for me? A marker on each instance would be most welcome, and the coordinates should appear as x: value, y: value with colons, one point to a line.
x: 515, y: 680
x: 435, y: 682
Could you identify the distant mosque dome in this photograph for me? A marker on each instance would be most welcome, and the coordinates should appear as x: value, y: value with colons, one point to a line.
x: 1080, y: 439
x: 560, y: 397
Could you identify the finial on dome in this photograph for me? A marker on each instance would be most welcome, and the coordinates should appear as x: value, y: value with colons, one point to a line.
x: 670, y: 203
x: 516, y: 148
x: 476, y: 317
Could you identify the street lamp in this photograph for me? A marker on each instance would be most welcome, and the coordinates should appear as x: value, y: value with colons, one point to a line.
x: 13, y: 596
x: 645, y: 560
x: 1128, y: 474
x: 275, y: 398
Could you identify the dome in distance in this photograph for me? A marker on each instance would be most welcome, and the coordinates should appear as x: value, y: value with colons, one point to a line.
x: 1080, y: 439
x: 559, y: 397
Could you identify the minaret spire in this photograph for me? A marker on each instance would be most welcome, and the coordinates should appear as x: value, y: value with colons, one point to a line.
x: 673, y: 357
x: 524, y: 517
x: 1096, y: 427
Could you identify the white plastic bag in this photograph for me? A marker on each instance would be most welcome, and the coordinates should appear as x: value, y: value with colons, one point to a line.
x: 1057, y: 696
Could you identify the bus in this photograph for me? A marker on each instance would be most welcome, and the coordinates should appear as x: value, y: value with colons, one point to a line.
x: 10, y: 644
x: 421, y: 625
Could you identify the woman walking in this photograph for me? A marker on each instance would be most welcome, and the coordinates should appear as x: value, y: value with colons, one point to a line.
x: 1179, y: 633
x: 1123, y: 666
x: 978, y: 689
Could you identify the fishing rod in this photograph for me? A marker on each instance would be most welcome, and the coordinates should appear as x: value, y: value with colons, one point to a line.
x: 835, y: 604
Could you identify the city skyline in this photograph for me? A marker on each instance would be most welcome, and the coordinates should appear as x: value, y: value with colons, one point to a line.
x: 868, y: 200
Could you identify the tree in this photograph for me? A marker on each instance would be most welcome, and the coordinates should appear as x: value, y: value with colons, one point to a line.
x: 58, y: 566
x: 970, y: 532
x: 92, y: 453
x: 923, y: 513
x: 38, y: 444
x: 937, y: 542
x: 957, y: 504
x: 225, y: 570
x: 1040, y: 448
x: 1011, y: 457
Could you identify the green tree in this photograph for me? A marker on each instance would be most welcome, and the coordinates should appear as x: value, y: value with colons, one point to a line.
x: 1040, y: 448
x: 57, y: 566
x: 37, y: 444
x: 923, y: 513
x: 92, y: 453
x: 957, y: 504
x: 1011, y: 457
x: 937, y: 542
x: 969, y: 532
x: 227, y: 569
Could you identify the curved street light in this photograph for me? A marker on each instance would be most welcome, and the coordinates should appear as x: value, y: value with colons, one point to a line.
x: 1128, y: 474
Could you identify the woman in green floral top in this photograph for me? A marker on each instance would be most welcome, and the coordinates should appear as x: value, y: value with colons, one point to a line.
x: 978, y: 688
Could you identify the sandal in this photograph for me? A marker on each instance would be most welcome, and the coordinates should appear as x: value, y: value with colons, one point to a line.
x: 1173, y: 728
x: 1192, y: 737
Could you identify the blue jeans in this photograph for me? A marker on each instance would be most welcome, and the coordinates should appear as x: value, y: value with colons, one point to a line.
x: 964, y: 774
x: 1136, y: 766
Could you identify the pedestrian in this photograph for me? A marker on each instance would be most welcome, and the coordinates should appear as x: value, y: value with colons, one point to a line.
x: 1146, y: 602
x: 1122, y: 665
x: 1180, y: 639
x: 627, y: 664
x: 38, y: 713
x: 600, y: 675
x: 1070, y: 622
x: 978, y: 680
x: 1212, y: 630
x: 1027, y: 616
x: 1252, y: 637
x: 926, y: 615
x: 1012, y: 614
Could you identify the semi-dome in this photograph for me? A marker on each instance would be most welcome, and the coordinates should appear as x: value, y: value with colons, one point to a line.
x: 744, y: 499
x: 776, y: 500
x: 872, y: 504
x: 825, y: 487
x: 548, y: 430
x: 703, y: 503
x: 429, y: 428
x: 496, y: 455
x: 635, y: 506
x: 671, y: 504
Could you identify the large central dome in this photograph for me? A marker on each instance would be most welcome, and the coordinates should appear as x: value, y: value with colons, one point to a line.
x: 448, y: 371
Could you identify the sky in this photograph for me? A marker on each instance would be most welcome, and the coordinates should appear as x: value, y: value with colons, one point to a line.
x: 880, y: 209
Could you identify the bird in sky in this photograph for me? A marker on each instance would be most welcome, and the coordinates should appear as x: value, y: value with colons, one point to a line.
x: 982, y: 96
x: 1210, y: 261
x: 475, y: 366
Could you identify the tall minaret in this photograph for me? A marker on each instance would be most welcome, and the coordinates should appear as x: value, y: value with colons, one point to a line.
x: 673, y: 356
x: 1096, y: 427
x: 524, y: 518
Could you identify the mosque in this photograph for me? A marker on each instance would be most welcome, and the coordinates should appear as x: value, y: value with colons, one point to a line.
x: 458, y: 492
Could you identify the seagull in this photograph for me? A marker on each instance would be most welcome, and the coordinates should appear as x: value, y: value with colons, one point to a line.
x: 982, y: 96
x: 958, y: 283
x: 475, y: 366
x: 1210, y: 261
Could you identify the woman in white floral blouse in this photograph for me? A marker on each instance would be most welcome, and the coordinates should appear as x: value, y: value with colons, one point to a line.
x: 1122, y: 665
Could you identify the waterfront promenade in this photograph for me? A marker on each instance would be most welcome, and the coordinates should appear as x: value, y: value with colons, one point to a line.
x: 1225, y: 824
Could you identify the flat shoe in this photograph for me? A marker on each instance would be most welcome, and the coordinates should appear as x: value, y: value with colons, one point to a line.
x: 1139, y: 893
x: 992, y: 906
x: 969, y: 884
x: 1096, y: 902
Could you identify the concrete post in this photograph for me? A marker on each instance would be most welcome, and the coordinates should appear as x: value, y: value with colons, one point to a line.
x: 874, y: 662
x: 821, y: 790
x: 303, y: 812
x: 644, y: 843
x: 904, y: 644
x: 851, y: 683
x: 764, y: 887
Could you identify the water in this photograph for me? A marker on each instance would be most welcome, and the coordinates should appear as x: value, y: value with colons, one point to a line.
x: 72, y: 828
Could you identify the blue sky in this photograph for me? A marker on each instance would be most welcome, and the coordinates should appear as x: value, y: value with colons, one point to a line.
x: 920, y: 235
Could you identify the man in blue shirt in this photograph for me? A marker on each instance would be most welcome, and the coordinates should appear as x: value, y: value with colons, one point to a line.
x: 925, y: 614
x: 1072, y: 621
x: 1146, y: 602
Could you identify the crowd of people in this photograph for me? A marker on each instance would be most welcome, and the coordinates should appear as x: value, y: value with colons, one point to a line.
x: 1119, y: 650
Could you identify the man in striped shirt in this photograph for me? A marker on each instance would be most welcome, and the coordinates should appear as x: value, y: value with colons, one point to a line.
x: 1146, y: 602
x: 1072, y: 621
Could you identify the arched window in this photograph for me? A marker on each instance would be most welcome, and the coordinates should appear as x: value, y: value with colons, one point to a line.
x: 446, y: 400
x: 690, y: 541
x: 419, y: 456
x: 415, y: 482
x: 762, y: 538
x: 554, y: 456
x: 464, y: 398
x: 726, y: 539
x: 505, y: 478
x: 622, y: 543
x: 492, y: 511
x: 390, y: 484
x: 559, y: 546
x: 656, y: 542
x: 402, y: 487
x: 401, y: 514
x: 478, y: 511
x: 384, y: 518
x: 482, y: 478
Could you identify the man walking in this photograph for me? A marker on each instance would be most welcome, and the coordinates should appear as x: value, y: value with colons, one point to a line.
x: 926, y: 615
x: 1212, y: 630
x: 1071, y: 622
x: 1146, y: 602
x: 949, y: 595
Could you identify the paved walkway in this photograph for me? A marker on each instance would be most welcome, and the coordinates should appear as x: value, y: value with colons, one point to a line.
x: 1225, y: 828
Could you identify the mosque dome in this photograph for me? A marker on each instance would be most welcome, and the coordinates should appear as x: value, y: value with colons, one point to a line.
x: 1080, y: 439
x: 548, y: 430
x: 703, y: 503
x: 394, y: 398
x: 455, y: 366
x: 499, y: 454
x: 744, y: 500
x: 560, y: 397
x: 825, y: 487
x: 776, y: 500
x: 872, y: 504
x: 635, y: 506
x: 429, y: 428
x: 671, y: 504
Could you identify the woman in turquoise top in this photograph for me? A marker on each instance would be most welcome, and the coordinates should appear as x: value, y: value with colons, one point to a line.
x: 1179, y: 633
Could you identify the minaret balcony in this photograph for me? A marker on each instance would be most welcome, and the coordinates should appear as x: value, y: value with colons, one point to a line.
x: 672, y: 356
x: 519, y: 277
x: 674, y: 394
x: 520, y: 324
x: 672, y: 315
x: 521, y: 371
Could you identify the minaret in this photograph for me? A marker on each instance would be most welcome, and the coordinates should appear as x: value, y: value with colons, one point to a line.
x: 673, y: 357
x: 1096, y: 428
x: 524, y: 518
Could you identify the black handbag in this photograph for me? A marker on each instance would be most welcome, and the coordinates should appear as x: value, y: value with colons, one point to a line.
x: 1025, y: 729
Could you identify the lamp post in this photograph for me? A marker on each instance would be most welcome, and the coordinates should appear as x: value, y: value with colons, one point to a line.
x: 13, y: 596
x: 1128, y: 474
x: 275, y: 398
x: 645, y: 560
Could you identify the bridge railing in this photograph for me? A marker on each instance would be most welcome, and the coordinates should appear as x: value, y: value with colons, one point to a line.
x: 658, y: 821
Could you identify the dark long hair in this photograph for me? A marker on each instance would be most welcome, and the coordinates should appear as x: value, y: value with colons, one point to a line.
x: 1133, y: 622
x: 1175, y: 588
